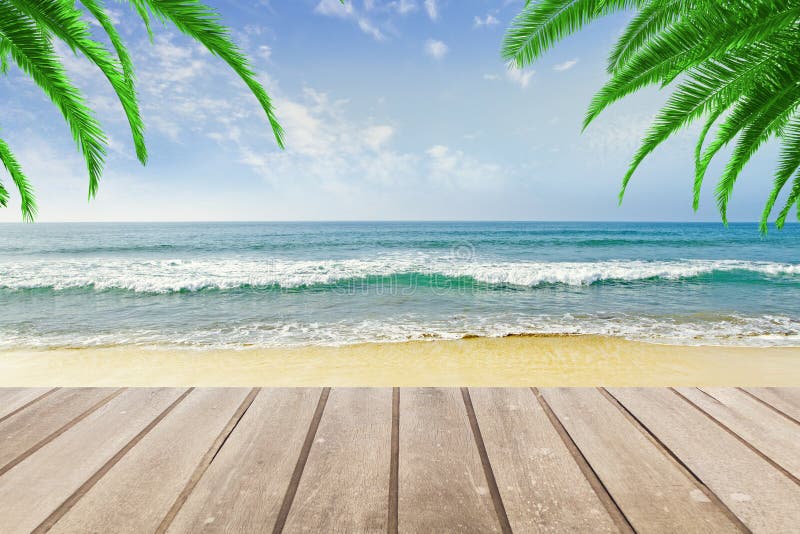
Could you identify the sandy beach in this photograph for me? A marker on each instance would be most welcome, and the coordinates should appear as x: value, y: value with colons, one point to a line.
x: 511, y: 361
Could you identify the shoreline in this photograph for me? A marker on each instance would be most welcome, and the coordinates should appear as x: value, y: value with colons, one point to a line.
x: 515, y: 360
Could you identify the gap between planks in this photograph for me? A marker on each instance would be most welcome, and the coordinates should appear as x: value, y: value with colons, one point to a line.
x: 666, y: 451
x: 770, y: 406
x: 746, y: 443
x: 608, y: 501
x: 494, y: 491
x: 47, y: 439
x: 294, y: 482
x: 207, y: 459
x: 30, y: 402
x: 394, y: 466
x: 65, y: 507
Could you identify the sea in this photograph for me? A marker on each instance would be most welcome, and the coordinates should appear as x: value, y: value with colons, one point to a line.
x: 241, y: 285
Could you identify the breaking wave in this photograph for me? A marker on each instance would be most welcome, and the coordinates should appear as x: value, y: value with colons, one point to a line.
x: 170, y: 276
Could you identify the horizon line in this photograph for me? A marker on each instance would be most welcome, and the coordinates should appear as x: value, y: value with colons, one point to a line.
x: 289, y: 221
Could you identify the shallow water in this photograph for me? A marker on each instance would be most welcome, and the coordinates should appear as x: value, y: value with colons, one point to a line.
x: 238, y: 285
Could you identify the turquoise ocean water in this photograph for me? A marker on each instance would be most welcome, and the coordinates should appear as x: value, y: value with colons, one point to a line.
x: 217, y: 285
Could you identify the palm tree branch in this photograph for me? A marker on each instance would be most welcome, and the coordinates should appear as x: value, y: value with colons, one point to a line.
x: 201, y: 23
x: 33, y: 53
x: 789, y: 162
x: 27, y: 197
x: 65, y: 22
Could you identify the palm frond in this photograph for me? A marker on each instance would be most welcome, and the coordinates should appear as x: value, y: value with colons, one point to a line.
x: 737, y: 61
x: 789, y: 162
x: 33, y: 53
x: 698, y: 150
x: 794, y: 195
x: 202, y: 23
x: 540, y: 25
x: 653, y: 17
x: 708, y: 89
x: 66, y: 23
x: 773, y: 116
x: 27, y: 198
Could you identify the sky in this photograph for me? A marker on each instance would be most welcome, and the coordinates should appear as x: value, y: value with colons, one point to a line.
x: 393, y: 110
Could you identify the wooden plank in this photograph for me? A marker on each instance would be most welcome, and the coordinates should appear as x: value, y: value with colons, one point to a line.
x: 785, y: 400
x: 36, y: 487
x: 345, y: 483
x: 25, y: 431
x: 775, y: 436
x: 762, y: 497
x: 12, y: 399
x: 653, y: 492
x: 533, y: 466
x: 129, y: 498
x: 442, y: 486
x: 244, y: 487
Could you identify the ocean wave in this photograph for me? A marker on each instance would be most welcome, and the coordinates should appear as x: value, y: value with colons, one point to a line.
x: 730, y: 330
x: 169, y: 276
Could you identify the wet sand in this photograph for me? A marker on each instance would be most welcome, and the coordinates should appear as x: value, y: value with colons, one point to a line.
x: 512, y: 361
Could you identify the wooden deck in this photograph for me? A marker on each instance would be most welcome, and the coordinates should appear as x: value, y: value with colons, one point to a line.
x: 408, y: 460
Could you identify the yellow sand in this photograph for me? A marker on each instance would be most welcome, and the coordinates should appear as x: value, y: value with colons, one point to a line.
x: 512, y: 361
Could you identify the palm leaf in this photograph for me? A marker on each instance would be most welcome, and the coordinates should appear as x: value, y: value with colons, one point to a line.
x: 30, y: 49
x: 540, y: 25
x: 65, y: 22
x: 27, y: 199
x: 789, y: 162
x: 651, y: 19
x: 773, y: 116
x: 202, y: 23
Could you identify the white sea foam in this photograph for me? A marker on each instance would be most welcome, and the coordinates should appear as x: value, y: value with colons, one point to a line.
x: 164, y: 276
x: 733, y: 330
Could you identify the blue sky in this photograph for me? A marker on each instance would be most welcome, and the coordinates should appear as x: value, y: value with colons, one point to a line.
x: 393, y: 109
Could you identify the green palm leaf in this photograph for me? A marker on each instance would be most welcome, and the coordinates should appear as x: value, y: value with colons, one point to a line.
x: 789, y: 162
x: 27, y: 199
x: 737, y: 61
x: 28, y: 29
x: 202, y: 23
x: 33, y: 53
x: 65, y: 22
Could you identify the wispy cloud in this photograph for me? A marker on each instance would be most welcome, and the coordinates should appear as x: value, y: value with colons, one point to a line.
x: 566, y: 65
x: 432, y: 9
x: 334, y: 8
x: 491, y: 77
x: 403, y: 7
x: 265, y: 52
x: 488, y: 20
x: 520, y: 77
x: 326, y: 147
x: 455, y: 169
x: 436, y: 49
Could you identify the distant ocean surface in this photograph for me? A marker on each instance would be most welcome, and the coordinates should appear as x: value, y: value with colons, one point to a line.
x: 236, y: 285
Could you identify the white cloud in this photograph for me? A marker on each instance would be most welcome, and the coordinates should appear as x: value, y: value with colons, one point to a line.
x: 334, y: 8
x: 432, y: 9
x: 566, y: 65
x: 488, y: 20
x: 491, y: 77
x: 436, y: 49
x: 265, y: 52
x: 328, y: 149
x: 370, y: 29
x: 455, y: 169
x: 403, y: 7
x: 377, y: 136
x: 520, y: 77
